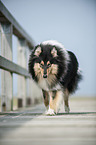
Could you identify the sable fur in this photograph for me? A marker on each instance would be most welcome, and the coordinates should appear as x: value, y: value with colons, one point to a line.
x: 54, y: 68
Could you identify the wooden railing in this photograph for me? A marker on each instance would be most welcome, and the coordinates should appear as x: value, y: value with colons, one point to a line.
x: 9, y: 27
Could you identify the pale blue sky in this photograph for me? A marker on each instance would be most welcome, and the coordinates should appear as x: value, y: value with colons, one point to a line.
x: 71, y: 22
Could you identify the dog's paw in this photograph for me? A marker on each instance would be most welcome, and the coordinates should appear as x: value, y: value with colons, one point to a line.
x: 67, y: 109
x: 50, y: 112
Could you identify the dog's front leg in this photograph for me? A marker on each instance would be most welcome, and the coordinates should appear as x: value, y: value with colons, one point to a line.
x: 51, y: 110
x: 56, y: 98
x: 46, y: 98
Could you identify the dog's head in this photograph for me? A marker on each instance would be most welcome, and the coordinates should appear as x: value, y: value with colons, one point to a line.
x: 47, y: 61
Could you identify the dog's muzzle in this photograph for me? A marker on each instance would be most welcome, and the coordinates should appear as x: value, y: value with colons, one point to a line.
x: 45, y: 76
x: 45, y: 72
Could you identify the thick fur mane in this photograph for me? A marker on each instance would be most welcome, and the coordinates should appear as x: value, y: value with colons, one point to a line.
x: 64, y: 63
x: 46, y: 48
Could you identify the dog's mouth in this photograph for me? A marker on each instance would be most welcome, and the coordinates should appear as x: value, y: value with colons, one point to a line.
x: 45, y: 76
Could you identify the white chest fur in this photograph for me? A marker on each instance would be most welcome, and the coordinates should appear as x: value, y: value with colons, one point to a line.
x: 43, y: 84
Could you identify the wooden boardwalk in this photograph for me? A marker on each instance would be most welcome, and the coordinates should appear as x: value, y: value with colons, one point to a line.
x: 32, y: 127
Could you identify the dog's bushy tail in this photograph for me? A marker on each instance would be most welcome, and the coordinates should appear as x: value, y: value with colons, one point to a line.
x: 73, y: 85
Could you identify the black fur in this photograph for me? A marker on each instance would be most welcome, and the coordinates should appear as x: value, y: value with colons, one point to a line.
x: 45, y: 56
x: 67, y: 76
x: 73, y: 76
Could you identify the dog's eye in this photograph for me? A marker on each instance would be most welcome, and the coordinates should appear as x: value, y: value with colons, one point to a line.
x: 41, y: 65
x: 49, y: 65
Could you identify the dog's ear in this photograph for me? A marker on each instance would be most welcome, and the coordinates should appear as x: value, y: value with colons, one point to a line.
x: 37, y: 51
x: 54, y: 52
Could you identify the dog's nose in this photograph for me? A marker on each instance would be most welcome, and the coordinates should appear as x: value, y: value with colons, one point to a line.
x: 45, y: 76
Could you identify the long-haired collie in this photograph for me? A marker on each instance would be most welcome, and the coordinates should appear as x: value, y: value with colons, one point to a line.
x: 56, y: 72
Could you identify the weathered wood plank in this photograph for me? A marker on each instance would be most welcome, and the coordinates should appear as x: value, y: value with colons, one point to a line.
x: 6, y: 77
x: 12, y: 67
x: 22, y: 61
x: 32, y: 127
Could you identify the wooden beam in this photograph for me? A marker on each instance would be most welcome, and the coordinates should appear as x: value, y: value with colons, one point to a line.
x: 12, y: 67
x: 6, y: 31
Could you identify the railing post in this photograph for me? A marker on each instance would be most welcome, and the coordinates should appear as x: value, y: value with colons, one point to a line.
x: 22, y: 80
x: 30, y: 98
x: 6, y: 31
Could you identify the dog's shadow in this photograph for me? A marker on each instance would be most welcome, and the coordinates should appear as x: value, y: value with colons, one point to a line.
x: 42, y: 113
x: 76, y: 113
x: 63, y: 113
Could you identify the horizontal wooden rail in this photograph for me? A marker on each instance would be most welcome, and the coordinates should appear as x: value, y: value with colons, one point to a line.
x: 5, y: 16
x: 12, y: 67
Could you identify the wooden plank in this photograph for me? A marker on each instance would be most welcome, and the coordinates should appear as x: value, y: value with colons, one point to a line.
x: 76, y: 128
x: 6, y: 77
x: 22, y: 61
x: 12, y: 67
x: 5, y: 15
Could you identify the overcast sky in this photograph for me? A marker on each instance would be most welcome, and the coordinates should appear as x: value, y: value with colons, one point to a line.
x: 71, y: 22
